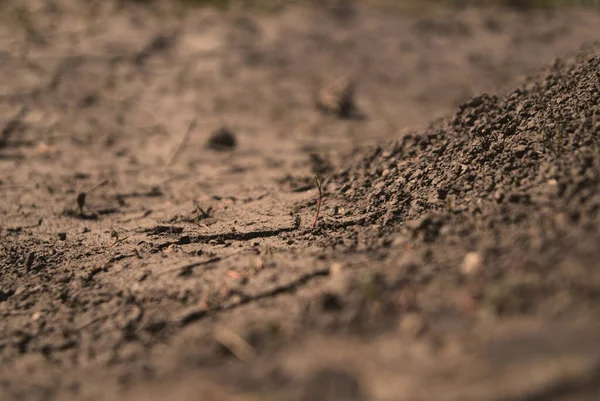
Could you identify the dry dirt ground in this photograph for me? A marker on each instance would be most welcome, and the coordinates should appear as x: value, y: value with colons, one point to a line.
x: 157, y: 201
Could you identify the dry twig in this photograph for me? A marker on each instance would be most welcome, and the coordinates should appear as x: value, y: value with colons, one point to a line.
x: 319, y: 187
x: 182, y: 143
x: 235, y: 344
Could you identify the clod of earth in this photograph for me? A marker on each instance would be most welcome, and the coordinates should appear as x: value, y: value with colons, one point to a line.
x: 338, y: 98
x: 81, y: 197
x: 222, y: 140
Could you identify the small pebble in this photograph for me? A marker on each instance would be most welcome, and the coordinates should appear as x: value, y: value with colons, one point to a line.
x: 412, y: 325
x: 471, y: 264
x: 330, y: 302
x: 173, y: 248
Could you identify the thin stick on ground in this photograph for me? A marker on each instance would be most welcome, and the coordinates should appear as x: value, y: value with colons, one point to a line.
x: 319, y: 187
x: 182, y: 144
x: 98, y: 185
x: 12, y: 126
x: 234, y: 343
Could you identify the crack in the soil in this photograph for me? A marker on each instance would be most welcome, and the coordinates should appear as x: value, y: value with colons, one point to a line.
x: 333, y: 225
x: 282, y: 289
x: 187, y: 269
x: 233, y: 235
x: 247, y: 236
x: 246, y: 299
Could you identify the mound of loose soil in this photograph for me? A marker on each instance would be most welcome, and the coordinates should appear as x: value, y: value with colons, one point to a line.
x: 506, y: 187
x: 490, y: 213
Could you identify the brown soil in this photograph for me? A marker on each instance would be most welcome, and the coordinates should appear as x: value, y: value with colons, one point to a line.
x: 158, y: 201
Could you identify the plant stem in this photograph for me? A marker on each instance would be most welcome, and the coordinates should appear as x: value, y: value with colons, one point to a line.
x: 318, y: 183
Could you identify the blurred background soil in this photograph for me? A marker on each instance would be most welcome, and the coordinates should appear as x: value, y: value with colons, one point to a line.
x: 158, y: 194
